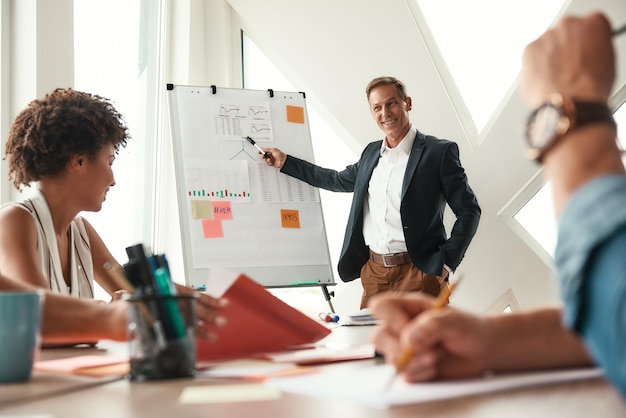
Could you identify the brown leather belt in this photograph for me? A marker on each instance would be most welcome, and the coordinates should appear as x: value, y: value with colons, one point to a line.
x: 390, y: 260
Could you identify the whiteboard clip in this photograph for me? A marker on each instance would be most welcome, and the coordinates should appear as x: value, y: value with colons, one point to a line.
x: 271, y: 92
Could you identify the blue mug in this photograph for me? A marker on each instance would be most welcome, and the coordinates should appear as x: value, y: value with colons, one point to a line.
x: 20, y: 334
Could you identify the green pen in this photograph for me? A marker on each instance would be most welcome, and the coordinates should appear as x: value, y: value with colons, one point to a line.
x: 166, y: 288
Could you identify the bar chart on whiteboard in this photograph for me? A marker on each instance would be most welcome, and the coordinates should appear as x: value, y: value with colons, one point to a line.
x: 218, y: 179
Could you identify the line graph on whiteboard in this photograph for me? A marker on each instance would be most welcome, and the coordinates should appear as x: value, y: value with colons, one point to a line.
x: 235, y: 120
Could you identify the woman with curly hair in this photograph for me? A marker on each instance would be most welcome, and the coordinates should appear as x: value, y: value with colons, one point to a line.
x: 65, y: 144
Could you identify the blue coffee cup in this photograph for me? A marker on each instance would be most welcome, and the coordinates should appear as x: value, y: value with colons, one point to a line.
x: 20, y: 334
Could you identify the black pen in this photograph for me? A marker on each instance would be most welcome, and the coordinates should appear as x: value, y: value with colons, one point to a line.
x: 619, y: 31
x: 265, y: 154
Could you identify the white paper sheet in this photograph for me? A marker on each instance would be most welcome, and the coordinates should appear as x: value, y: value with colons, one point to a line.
x: 368, y: 385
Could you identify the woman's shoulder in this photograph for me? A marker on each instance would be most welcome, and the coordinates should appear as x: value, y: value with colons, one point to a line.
x: 16, y: 211
x: 18, y: 220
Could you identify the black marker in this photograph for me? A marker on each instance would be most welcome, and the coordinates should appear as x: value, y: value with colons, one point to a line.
x: 265, y: 154
x: 619, y: 31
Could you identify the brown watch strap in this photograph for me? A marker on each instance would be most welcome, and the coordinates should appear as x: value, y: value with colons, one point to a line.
x: 591, y: 112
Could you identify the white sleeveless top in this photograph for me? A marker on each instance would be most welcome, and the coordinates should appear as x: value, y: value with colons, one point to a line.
x: 81, y: 262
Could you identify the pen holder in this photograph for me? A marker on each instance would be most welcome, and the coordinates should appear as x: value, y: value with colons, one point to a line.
x: 161, y: 331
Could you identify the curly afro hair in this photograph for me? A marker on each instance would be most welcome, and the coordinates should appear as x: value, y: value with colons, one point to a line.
x: 64, y: 123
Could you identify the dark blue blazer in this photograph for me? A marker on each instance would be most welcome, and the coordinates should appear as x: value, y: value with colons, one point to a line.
x: 434, y: 176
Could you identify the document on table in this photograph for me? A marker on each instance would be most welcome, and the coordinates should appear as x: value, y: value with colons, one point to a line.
x: 87, y: 365
x: 252, y: 369
x: 323, y: 354
x: 362, y: 317
x: 367, y: 385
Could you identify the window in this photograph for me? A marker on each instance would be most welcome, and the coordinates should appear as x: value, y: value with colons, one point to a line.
x: 5, y: 28
x: 500, y: 29
x: 114, y: 49
x: 537, y: 218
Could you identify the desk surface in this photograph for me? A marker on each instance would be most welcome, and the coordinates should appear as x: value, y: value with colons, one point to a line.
x: 121, y: 398
x: 44, y: 385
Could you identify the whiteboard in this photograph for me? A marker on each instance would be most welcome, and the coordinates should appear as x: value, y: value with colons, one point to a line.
x: 237, y: 213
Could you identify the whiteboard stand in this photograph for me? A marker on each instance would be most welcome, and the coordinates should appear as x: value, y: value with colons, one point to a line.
x: 327, y: 296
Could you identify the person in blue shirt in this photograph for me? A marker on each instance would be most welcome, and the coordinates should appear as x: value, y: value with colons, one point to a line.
x: 567, y: 77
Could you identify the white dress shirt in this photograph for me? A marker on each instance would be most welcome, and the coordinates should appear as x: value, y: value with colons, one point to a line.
x: 382, y: 226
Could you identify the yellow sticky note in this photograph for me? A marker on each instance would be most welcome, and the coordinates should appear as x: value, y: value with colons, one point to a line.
x: 201, y: 209
x: 295, y: 114
x: 228, y: 393
x: 212, y: 228
x: 222, y: 210
x: 289, y: 218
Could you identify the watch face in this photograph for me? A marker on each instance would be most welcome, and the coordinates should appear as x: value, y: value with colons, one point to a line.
x: 545, y: 125
x: 551, y: 121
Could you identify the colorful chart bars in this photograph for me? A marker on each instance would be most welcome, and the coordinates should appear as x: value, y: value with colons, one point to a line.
x: 219, y: 194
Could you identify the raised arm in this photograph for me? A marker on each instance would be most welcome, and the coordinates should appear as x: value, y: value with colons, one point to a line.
x: 574, y: 59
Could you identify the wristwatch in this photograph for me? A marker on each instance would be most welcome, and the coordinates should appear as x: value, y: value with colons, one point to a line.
x: 556, y: 117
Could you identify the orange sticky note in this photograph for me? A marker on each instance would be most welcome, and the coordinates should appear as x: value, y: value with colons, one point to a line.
x: 222, y: 210
x: 289, y: 218
x: 295, y: 114
x: 212, y: 228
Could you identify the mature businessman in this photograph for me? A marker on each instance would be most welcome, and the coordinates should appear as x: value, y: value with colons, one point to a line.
x: 395, y: 238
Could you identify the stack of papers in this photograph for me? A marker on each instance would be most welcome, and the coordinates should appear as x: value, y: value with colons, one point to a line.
x: 252, y: 369
x: 323, y: 354
x: 368, y: 385
x: 362, y: 317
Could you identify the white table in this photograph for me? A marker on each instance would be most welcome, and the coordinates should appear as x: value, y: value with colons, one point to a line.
x: 589, y: 398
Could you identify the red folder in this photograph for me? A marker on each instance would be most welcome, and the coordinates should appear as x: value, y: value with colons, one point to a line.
x: 258, y: 322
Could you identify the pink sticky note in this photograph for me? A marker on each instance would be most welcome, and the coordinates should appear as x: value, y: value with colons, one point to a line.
x: 222, y: 210
x: 212, y: 228
x: 75, y: 363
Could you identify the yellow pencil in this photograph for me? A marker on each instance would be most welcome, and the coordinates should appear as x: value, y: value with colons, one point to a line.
x: 440, y: 302
x: 120, y: 279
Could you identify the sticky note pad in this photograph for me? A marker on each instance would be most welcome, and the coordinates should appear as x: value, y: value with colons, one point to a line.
x: 201, y: 209
x: 212, y: 228
x: 289, y: 218
x: 222, y: 210
x: 87, y: 365
x: 227, y: 393
x: 295, y: 114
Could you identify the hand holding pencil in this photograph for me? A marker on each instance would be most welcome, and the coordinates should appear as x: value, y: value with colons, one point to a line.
x: 408, y: 352
x: 423, y: 341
